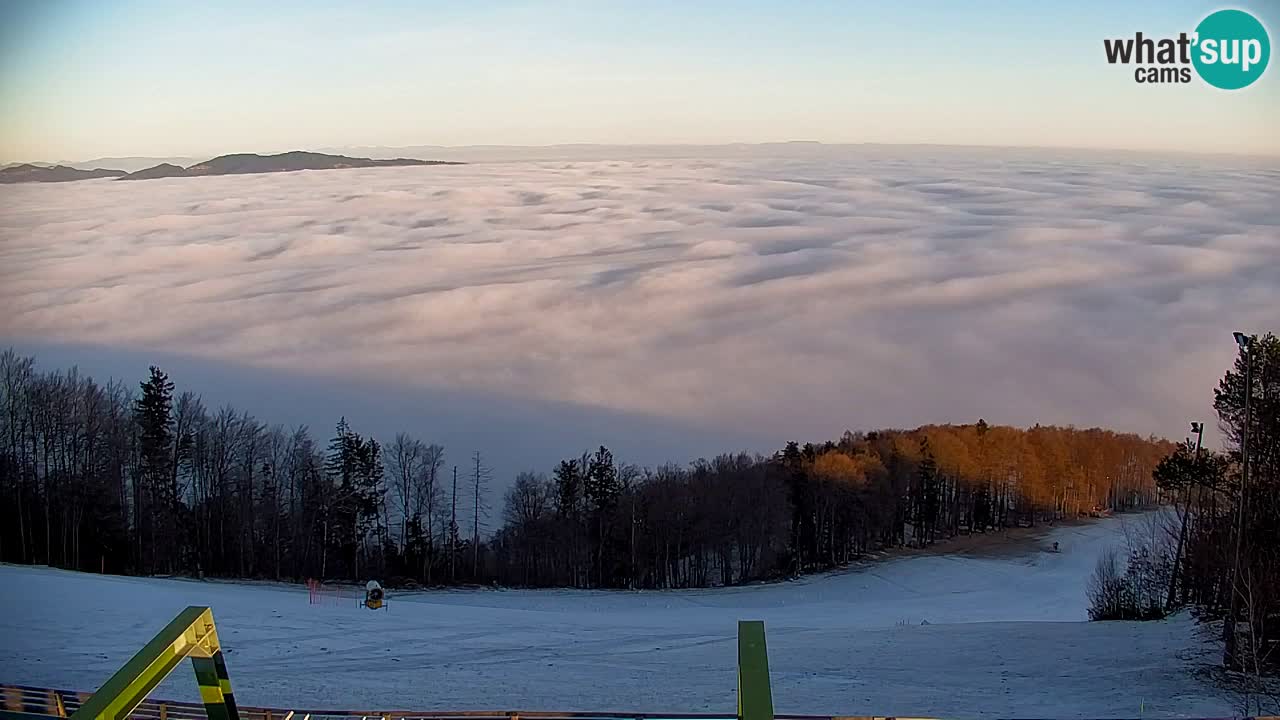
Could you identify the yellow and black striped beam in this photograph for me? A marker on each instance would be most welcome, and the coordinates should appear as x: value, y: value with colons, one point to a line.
x: 191, y: 634
x: 215, y: 687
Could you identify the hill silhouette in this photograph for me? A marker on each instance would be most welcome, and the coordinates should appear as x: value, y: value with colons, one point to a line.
x: 28, y: 172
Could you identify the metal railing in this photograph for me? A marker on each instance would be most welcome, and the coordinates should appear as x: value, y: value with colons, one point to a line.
x: 22, y: 702
x: 64, y: 703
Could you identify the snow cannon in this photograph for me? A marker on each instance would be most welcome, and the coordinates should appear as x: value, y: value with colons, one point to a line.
x: 373, y: 595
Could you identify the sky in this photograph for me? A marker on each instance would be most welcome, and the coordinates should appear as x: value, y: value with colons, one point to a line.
x: 667, y: 304
x: 80, y: 79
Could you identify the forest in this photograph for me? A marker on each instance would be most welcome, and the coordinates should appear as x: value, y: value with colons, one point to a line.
x: 151, y: 480
x: 1223, y: 554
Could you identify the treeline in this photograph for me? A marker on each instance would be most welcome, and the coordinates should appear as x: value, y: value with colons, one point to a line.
x: 1224, y: 552
x: 147, y: 480
x: 739, y: 518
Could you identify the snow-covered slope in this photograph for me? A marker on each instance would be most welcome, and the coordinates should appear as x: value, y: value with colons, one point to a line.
x: 957, y: 636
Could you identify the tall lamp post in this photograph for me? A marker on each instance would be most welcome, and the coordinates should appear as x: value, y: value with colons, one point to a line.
x: 1229, y: 625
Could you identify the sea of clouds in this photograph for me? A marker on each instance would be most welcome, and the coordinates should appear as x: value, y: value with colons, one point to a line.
x: 760, y: 298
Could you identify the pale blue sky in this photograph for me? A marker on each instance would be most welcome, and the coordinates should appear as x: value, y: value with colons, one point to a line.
x: 85, y: 79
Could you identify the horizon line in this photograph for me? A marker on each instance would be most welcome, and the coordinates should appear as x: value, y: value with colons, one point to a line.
x: 494, y: 146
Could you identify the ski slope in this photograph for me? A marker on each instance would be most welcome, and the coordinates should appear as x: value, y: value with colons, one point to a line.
x: 941, y: 635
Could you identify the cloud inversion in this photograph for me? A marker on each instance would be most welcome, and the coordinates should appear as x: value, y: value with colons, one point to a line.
x: 783, y: 297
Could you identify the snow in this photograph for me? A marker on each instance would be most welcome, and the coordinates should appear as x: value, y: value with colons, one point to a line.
x: 946, y: 635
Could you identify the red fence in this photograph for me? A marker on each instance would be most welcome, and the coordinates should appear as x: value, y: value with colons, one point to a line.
x: 321, y: 594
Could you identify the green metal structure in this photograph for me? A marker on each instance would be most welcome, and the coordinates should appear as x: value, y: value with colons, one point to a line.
x: 755, y: 697
x: 191, y: 634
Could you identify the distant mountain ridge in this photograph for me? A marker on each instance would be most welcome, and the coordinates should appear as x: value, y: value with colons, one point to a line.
x: 235, y: 164
x: 162, y: 170
x: 133, y: 163
x: 252, y: 163
x: 28, y: 172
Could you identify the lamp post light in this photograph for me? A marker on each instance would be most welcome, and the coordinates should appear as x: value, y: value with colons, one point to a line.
x: 1229, y: 625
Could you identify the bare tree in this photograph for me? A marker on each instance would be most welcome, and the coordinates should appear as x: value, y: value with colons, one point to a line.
x: 528, y: 503
x: 405, y: 463
x: 15, y: 382
x: 453, y: 528
x: 429, y: 502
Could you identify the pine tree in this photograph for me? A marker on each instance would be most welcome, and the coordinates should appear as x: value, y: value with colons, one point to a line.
x: 153, y: 506
x: 602, y: 490
x: 569, y: 500
x: 415, y: 544
x: 602, y: 486
x: 1253, y: 578
x: 568, y: 488
x: 799, y: 492
x: 344, y: 503
x: 369, y: 495
x: 342, y: 461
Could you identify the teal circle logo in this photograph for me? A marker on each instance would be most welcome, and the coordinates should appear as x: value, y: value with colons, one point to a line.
x: 1232, y: 49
